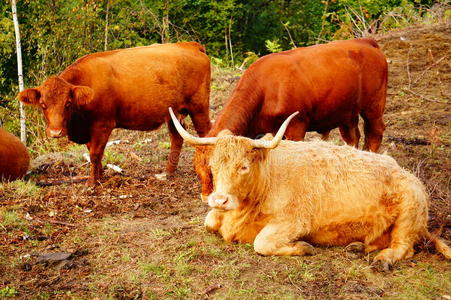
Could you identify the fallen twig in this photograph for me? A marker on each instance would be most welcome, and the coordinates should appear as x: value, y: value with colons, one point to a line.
x: 57, y: 182
x: 428, y: 68
x: 54, y: 222
x: 211, y: 288
x: 424, y: 97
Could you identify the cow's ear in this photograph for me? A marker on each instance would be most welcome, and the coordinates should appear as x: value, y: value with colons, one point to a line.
x: 224, y: 132
x: 267, y: 137
x: 30, y: 96
x: 82, y: 95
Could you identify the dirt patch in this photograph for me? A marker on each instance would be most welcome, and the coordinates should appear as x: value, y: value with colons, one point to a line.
x: 143, y: 234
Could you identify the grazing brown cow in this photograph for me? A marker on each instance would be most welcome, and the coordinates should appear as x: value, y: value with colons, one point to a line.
x: 281, y: 199
x: 14, y: 157
x: 127, y: 88
x: 329, y: 84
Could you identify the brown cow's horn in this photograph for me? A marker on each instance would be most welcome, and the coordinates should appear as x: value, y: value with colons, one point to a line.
x: 279, y: 135
x: 193, y: 140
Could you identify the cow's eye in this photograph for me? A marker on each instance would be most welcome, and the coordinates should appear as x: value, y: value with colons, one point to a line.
x: 68, y: 103
x: 243, y: 169
x: 44, y: 106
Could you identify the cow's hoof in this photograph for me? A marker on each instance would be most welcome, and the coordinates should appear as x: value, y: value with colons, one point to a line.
x: 92, y: 182
x: 381, y: 266
x: 355, y: 247
x: 306, y: 248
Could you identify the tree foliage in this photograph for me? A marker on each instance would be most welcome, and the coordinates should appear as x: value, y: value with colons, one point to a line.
x: 56, y: 32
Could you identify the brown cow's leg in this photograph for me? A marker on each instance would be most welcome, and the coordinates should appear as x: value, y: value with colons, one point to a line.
x: 296, y: 130
x: 351, y: 133
x: 374, y: 130
x: 325, y: 135
x: 176, y: 147
x: 199, y: 107
x: 373, y: 118
x: 201, y: 121
x: 96, y: 147
x: 278, y: 239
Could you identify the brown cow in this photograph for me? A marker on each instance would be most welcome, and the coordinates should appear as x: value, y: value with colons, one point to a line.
x: 127, y: 88
x: 329, y: 84
x: 281, y: 199
x: 14, y: 157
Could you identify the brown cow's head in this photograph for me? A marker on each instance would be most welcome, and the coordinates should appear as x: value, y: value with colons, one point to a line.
x: 234, y: 162
x: 57, y: 99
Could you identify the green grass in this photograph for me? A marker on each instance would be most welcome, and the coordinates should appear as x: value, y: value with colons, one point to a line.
x: 112, y: 157
x: 20, y: 189
x: 8, y: 292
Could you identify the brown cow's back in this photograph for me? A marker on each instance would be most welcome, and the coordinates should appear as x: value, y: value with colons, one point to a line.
x: 14, y: 157
x: 327, y: 83
x: 143, y: 82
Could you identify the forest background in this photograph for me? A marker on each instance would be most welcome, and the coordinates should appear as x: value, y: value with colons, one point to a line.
x: 235, y: 32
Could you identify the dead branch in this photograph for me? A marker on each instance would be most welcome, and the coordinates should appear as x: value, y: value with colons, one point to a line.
x: 428, y: 68
x: 57, y: 182
x: 54, y: 222
x: 408, y: 67
x: 211, y: 288
x: 424, y: 97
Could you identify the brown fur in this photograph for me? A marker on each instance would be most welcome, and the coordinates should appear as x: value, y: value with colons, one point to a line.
x: 127, y: 88
x: 14, y: 157
x: 329, y: 84
x: 315, y: 192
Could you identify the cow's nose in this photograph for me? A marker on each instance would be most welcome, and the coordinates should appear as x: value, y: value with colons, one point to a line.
x: 221, y: 199
x: 55, y: 132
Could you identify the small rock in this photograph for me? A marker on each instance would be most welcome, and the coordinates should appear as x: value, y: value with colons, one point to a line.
x: 51, y: 247
x: 26, y: 267
x: 80, y: 252
x: 53, y: 257
x: 161, y: 176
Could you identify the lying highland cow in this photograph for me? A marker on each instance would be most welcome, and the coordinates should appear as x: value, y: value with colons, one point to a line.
x: 282, y: 199
x: 14, y: 157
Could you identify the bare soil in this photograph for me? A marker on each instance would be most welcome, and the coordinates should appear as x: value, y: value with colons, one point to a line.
x: 137, y: 236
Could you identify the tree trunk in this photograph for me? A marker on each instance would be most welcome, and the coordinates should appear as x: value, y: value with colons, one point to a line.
x: 105, y: 48
x: 23, y: 128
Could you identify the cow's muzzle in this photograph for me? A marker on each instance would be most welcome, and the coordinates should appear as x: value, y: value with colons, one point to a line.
x: 221, y: 201
x: 55, y: 132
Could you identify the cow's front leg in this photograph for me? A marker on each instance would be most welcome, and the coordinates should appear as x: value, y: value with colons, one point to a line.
x: 176, y: 148
x: 213, y: 221
x: 96, y: 146
x: 281, y: 239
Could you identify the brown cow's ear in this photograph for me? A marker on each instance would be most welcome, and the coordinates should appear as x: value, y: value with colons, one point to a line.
x: 82, y: 95
x: 30, y: 96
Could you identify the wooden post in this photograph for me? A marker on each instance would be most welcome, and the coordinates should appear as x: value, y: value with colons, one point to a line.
x: 23, y: 128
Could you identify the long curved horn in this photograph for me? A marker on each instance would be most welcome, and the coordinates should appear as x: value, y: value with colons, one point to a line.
x: 193, y: 140
x: 279, y: 135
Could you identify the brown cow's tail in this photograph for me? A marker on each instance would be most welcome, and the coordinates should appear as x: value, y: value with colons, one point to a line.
x: 368, y: 41
x: 439, y: 244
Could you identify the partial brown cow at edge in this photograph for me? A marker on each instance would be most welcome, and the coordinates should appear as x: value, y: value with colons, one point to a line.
x: 330, y: 85
x: 127, y: 88
x: 14, y: 157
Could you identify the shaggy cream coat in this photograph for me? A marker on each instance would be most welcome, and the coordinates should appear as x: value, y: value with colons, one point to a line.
x: 318, y: 193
